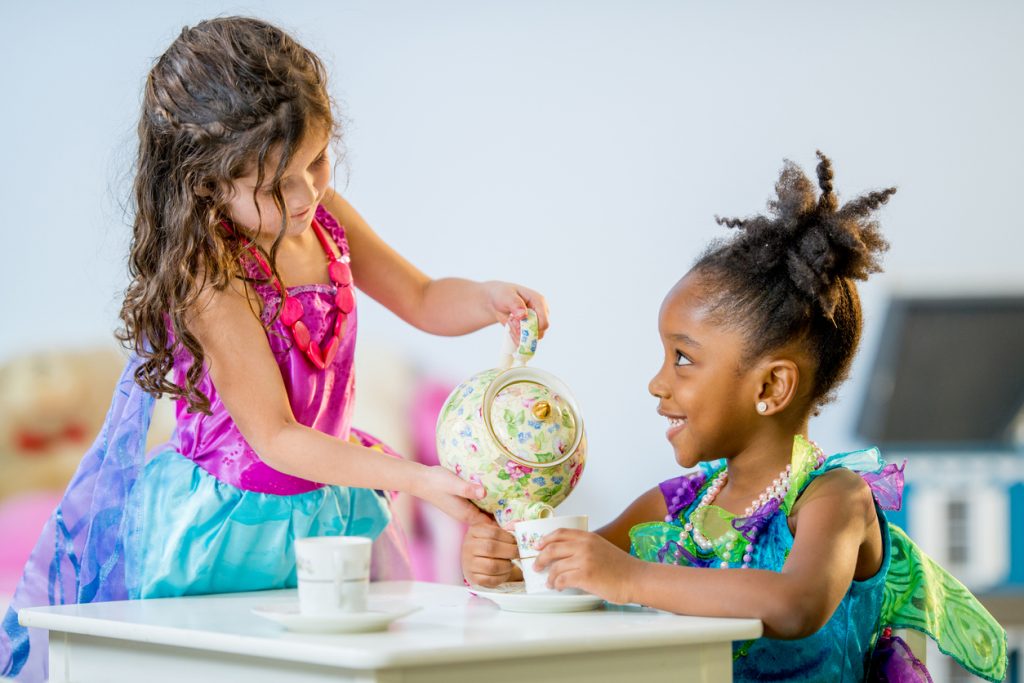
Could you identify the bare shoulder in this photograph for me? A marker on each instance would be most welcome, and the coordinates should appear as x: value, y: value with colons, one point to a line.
x: 838, y: 489
x: 650, y: 504
x: 839, y: 481
x: 836, y: 512
x: 242, y: 367
x: 360, y: 235
x: 337, y: 206
x: 839, y: 505
x: 225, y: 315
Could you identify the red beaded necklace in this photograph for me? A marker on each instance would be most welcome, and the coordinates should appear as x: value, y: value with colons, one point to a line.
x: 340, y: 274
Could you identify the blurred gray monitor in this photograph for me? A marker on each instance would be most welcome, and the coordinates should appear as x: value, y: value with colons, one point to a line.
x: 949, y: 372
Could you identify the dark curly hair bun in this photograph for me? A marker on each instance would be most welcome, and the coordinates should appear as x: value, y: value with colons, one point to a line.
x: 816, y: 242
x: 790, y: 273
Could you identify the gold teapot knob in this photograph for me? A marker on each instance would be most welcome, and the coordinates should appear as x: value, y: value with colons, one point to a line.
x: 541, y: 410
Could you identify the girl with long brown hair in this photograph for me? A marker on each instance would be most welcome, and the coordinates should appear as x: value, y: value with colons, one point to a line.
x: 242, y: 306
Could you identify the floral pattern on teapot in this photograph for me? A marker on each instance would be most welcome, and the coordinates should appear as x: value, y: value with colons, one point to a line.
x: 522, y: 451
x: 462, y: 438
x: 532, y: 423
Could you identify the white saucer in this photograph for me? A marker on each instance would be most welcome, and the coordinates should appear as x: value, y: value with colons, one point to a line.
x: 512, y: 597
x: 288, y: 615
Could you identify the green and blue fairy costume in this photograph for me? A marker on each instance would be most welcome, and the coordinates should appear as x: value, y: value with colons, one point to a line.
x: 857, y: 643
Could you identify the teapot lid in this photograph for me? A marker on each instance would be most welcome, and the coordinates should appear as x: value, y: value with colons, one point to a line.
x: 534, y: 423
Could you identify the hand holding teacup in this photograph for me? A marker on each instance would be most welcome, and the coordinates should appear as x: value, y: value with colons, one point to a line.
x: 574, y: 559
x: 528, y: 536
x: 487, y: 554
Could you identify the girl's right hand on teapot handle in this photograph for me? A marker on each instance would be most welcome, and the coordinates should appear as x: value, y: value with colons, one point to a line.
x: 487, y: 554
x: 509, y: 301
x: 448, y: 493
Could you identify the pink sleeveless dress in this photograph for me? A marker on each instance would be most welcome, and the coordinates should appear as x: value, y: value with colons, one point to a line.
x: 202, y: 513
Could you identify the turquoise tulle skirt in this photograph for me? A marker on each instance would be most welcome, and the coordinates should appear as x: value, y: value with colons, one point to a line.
x: 200, y: 535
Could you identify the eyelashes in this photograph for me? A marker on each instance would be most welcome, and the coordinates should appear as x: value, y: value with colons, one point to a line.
x: 318, y: 162
x: 682, y: 360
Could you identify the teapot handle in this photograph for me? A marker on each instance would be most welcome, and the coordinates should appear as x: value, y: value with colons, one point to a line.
x: 518, y: 355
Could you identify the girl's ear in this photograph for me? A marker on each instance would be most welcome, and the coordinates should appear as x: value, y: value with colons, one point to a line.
x: 778, y: 380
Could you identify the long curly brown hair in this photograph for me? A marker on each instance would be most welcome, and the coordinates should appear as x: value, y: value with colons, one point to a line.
x: 228, y: 94
x: 790, y: 275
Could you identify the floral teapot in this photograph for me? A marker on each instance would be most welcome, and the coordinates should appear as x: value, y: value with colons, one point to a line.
x: 516, y: 430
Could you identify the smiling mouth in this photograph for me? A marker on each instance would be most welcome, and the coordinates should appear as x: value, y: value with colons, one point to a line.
x: 675, y: 425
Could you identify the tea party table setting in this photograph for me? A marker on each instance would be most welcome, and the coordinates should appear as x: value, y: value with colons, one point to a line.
x: 436, y: 632
x: 519, y: 432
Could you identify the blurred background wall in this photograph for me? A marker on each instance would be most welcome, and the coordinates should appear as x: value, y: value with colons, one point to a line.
x: 581, y: 148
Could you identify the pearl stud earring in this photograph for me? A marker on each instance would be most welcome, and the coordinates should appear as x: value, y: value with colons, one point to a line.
x: 761, y: 406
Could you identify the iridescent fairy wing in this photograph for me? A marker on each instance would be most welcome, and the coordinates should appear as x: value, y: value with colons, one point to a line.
x: 81, y: 555
x: 920, y: 594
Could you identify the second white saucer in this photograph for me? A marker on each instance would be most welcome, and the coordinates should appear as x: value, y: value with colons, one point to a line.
x: 512, y: 597
x: 288, y: 615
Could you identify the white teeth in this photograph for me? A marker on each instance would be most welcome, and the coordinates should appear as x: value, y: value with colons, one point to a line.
x: 676, y: 421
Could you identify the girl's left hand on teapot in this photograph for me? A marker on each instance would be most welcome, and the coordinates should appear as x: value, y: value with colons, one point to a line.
x: 508, y: 303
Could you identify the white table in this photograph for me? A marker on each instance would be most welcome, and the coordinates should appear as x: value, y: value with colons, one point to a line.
x: 454, y: 637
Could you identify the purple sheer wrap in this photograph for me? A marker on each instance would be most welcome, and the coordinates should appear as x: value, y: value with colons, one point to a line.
x: 80, y: 555
x: 679, y: 492
x: 893, y: 662
x: 750, y: 526
x: 887, y: 485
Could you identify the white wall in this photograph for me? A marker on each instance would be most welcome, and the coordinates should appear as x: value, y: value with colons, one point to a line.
x: 581, y: 148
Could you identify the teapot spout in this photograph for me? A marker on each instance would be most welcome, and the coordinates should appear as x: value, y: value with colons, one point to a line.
x: 521, y: 510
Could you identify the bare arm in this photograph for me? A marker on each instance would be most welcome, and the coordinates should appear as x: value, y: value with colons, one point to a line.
x: 647, y: 508
x: 836, y: 520
x: 249, y: 383
x: 447, y: 306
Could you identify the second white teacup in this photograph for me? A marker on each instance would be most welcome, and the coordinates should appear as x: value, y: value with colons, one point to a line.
x: 333, y: 573
x: 528, y: 535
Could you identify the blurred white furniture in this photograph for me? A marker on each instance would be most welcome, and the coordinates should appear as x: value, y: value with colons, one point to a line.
x: 454, y: 637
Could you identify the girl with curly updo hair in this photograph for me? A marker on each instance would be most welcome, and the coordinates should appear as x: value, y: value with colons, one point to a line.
x: 757, y: 336
x: 242, y: 306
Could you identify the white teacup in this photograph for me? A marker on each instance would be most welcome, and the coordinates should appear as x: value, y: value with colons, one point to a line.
x: 529, y: 532
x: 334, y: 574
x: 528, y: 535
x: 537, y: 582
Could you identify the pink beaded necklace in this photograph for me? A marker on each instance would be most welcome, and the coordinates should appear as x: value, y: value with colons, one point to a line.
x: 340, y: 273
